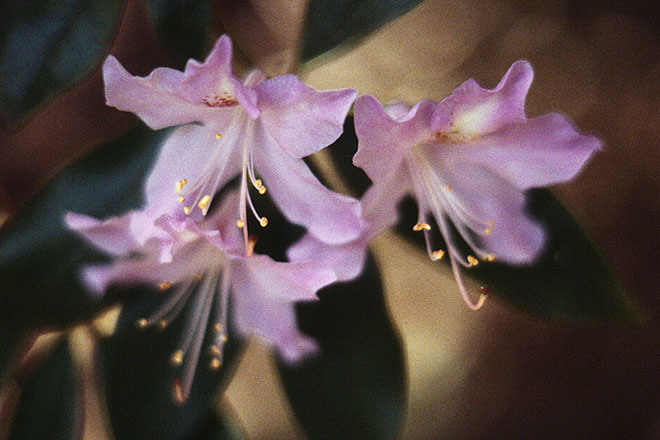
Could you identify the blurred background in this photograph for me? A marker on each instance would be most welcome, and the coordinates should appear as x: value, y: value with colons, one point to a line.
x: 495, y: 373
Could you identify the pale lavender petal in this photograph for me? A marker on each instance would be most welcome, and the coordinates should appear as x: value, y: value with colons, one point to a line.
x: 214, y: 79
x: 539, y: 152
x: 129, y: 272
x: 331, y: 217
x: 113, y: 235
x: 472, y: 110
x: 264, y: 295
x: 157, y: 99
x: 300, y: 119
x: 382, y: 141
x: 346, y: 260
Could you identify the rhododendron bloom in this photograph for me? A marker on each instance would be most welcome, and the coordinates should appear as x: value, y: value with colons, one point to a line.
x: 235, y: 128
x: 468, y: 161
x: 208, y: 266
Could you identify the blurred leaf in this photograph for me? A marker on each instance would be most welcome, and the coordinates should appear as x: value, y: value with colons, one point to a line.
x: 356, y: 387
x: 333, y: 22
x: 219, y: 427
x: 570, y: 281
x: 48, y: 45
x: 184, y: 27
x: 11, y: 336
x: 40, y: 259
x: 139, y: 377
x: 50, y: 407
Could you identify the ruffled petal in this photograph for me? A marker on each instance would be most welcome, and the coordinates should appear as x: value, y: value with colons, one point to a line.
x: 472, y: 110
x: 265, y: 292
x: 539, y: 152
x: 300, y: 119
x: 157, y: 99
x: 331, y: 217
x: 383, y: 141
x: 112, y: 235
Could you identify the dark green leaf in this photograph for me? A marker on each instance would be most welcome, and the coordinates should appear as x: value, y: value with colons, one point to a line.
x: 355, y: 389
x: 50, y: 407
x: 184, y: 27
x: 48, y: 45
x: 40, y: 259
x: 333, y: 22
x: 139, y: 377
x: 219, y: 427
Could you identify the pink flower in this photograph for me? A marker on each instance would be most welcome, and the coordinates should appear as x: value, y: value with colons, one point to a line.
x: 235, y: 128
x: 468, y: 160
x: 207, y: 266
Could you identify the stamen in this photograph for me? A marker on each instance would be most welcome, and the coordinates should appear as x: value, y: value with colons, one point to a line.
x: 180, y: 184
x: 262, y: 190
x: 257, y: 183
x: 204, y: 204
x: 162, y: 324
x: 198, y: 276
x: 223, y: 338
x: 217, y: 327
x: 472, y: 260
x: 177, y: 358
x: 218, y: 136
x: 488, y: 230
x: 182, y: 199
x: 421, y: 227
x: 142, y: 323
x: 214, y: 350
x: 437, y: 255
x: 240, y: 223
x: 186, y: 210
x: 490, y: 258
x: 263, y: 222
x: 177, y: 392
x: 252, y: 242
x: 164, y: 285
x: 448, y: 187
x: 215, y: 364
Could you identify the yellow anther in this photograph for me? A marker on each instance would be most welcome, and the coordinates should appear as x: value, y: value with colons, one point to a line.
x: 186, y: 209
x: 177, y: 358
x: 141, y: 323
x: 252, y: 242
x: 421, y: 226
x: 198, y: 276
x: 258, y: 184
x: 180, y: 184
x: 263, y: 222
x: 223, y: 338
x: 215, y: 364
x: 262, y: 190
x: 164, y: 285
x: 204, y: 203
x: 218, y: 136
x: 217, y: 327
x: 488, y: 230
x: 177, y: 392
x: 437, y: 255
x: 240, y: 223
x: 214, y: 350
x: 490, y: 258
x: 472, y: 260
x: 490, y: 223
x: 162, y: 324
x: 448, y: 187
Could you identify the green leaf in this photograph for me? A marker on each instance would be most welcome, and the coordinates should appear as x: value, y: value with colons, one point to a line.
x: 49, y: 406
x: 40, y: 259
x: 219, y: 427
x: 356, y: 387
x: 139, y: 377
x: 331, y: 23
x: 184, y: 27
x: 47, y: 45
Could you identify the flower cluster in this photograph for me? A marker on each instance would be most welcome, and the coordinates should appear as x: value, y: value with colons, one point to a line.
x: 467, y: 160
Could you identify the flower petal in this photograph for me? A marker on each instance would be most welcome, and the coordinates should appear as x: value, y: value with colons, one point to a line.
x: 331, y: 217
x: 539, y: 152
x: 264, y: 295
x: 346, y: 260
x: 113, y: 235
x: 156, y: 99
x: 472, y: 110
x: 300, y: 119
x: 383, y: 141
